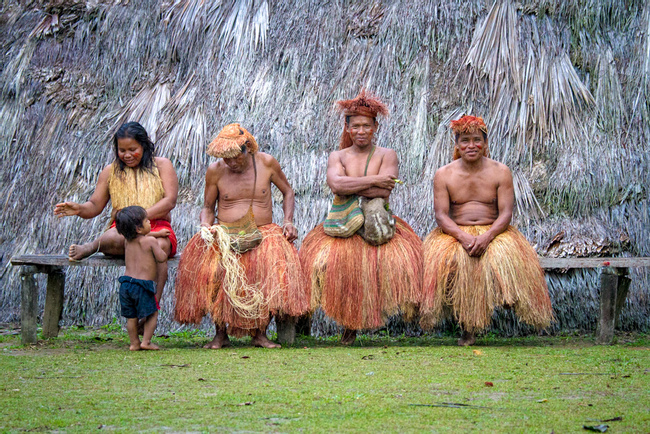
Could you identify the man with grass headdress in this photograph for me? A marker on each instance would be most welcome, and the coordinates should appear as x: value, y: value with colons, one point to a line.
x: 475, y: 261
x: 364, y: 264
x: 245, y: 268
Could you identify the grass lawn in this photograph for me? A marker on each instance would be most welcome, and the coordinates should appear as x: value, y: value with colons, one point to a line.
x: 87, y: 380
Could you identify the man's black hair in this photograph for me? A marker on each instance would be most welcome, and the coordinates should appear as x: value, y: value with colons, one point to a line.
x: 347, y: 119
x: 128, y: 220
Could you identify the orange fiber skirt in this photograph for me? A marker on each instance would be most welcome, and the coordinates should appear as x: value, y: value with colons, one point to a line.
x: 469, y: 288
x: 274, y: 265
x: 359, y: 285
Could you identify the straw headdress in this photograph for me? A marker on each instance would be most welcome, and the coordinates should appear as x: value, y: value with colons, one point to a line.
x: 229, y: 141
x: 364, y: 104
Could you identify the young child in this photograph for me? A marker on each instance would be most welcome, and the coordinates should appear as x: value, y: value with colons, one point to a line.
x: 138, y: 287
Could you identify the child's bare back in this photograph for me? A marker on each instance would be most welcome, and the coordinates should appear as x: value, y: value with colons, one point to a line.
x: 142, y: 253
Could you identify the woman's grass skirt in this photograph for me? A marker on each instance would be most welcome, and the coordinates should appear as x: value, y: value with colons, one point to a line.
x: 469, y: 288
x: 273, y: 265
x: 359, y: 285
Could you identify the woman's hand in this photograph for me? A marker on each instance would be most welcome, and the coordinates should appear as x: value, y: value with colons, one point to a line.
x: 66, y: 209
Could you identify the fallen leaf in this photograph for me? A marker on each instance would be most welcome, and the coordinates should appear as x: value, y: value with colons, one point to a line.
x: 201, y: 379
x: 596, y: 428
x: 246, y: 403
x: 245, y: 357
x: 477, y: 352
x: 489, y: 384
x: 368, y: 357
x: 542, y: 400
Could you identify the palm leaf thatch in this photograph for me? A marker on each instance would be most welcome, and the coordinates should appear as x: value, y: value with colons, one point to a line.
x: 563, y: 86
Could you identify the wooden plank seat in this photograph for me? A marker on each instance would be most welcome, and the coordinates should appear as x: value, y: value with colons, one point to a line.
x: 614, y: 285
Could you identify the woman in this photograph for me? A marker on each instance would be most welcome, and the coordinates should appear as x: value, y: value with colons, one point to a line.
x: 136, y: 177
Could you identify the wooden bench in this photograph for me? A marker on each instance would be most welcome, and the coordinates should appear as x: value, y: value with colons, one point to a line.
x: 614, y: 285
x: 54, y: 267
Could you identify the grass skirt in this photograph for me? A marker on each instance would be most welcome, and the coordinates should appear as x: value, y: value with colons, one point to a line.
x: 507, y: 274
x: 274, y: 265
x: 359, y: 285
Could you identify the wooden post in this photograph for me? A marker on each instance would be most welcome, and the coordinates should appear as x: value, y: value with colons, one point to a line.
x: 608, y: 289
x: 28, y: 304
x: 286, y: 327
x: 621, y: 293
x: 53, y: 302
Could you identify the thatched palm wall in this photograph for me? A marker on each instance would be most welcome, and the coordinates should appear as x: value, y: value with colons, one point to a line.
x: 563, y: 86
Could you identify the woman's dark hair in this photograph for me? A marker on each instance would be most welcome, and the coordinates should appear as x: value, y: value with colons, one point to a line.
x: 135, y: 131
x: 128, y: 220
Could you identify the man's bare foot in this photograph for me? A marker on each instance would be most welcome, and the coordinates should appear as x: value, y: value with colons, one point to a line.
x: 260, y: 340
x: 134, y: 347
x: 348, y: 337
x: 467, y: 339
x: 219, y: 341
x: 149, y: 346
x: 79, y: 251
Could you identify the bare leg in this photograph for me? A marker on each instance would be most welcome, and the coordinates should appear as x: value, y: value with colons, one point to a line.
x: 149, y: 328
x: 161, y: 278
x: 161, y: 270
x: 467, y: 339
x: 132, y: 328
x: 260, y: 340
x: 109, y: 243
x: 220, y: 339
x: 348, y: 337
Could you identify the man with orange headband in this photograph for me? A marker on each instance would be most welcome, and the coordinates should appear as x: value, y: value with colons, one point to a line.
x: 245, y: 268
x: 475, y: 261
x: 360, y: 281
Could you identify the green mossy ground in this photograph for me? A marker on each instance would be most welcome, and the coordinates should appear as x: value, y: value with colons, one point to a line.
x: 88, y: 380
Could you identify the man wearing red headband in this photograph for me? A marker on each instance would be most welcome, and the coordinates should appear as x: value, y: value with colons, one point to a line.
x: 475, y: 261
x: 360, y: 281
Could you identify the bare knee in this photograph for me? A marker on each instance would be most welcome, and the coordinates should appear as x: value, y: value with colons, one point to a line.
x: 111, y: 243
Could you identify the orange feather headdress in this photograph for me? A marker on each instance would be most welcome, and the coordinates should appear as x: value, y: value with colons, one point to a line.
x: 229, y: 141
x: 364, y: 104
x: 469, y: 125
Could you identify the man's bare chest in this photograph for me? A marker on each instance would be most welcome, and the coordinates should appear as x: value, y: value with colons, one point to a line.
x: 356, y: 165
x: 463, y: 188
x: 240, y: 188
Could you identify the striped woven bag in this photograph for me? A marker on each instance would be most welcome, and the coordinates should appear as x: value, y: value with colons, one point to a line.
x: 345, y: 217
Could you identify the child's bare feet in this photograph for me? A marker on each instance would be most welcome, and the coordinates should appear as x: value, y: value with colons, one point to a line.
x: 135, y: 347
x: 79, y: 251
x: 149, y: 346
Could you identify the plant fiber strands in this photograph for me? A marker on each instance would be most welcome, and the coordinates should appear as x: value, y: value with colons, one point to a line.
x: 507, y: 274
x: 359, y: 285
x: 273, y: 267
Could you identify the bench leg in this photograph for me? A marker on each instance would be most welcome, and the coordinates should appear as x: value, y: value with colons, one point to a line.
x: 53, y: 302
x: 608, y: 289
x: 621, y: 294
x: 286, y: 327
x: 28, y: 304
